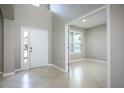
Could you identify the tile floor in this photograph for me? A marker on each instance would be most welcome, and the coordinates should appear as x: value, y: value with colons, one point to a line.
x: 82, y: 75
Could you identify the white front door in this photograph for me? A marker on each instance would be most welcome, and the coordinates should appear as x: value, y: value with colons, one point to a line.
x: 38, y: 47
x: 34, y: 50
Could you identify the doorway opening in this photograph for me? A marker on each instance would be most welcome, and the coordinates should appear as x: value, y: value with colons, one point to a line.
x: 87, y: 47
x: 34, y: 47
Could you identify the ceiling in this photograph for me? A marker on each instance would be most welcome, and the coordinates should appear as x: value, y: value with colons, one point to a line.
x: 92, y: 20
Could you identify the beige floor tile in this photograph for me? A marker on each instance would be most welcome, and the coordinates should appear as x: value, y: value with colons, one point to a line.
x: 81, y: 75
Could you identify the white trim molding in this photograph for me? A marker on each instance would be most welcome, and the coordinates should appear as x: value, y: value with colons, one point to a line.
x: 87, y: 59
x: 78, y: 60
x: 108, y: 45
x: 7, y: 74
x: 57, y: 67
x: 95, y: 60
x: 18, y: 70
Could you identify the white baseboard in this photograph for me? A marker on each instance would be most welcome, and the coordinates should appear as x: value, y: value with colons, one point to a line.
x: 49, y: 64
x: 87, y: 59
x: 78, y: 60
x: 95, y: 60
x: 17, y: 70
x: 7, y: 74
x: 57, y: 67
x: 21, y: 69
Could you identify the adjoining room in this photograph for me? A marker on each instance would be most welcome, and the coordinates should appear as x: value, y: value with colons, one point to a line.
x: 88, y: 49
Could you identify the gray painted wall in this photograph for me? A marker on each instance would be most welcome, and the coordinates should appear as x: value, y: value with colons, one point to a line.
x: 1, y: 42
x: 28, y: 15
x: 7, y: 11
x: 117, y: 45
x: 96, y: 43
x: 63, y: 14
x: 9, y: 46
x: 45, y: 6
x: 25, y: 15
x: 83, y: 54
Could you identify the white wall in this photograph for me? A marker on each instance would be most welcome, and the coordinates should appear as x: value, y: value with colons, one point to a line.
x: 83, y: 53
x: 117, y: 46
x: 96, y: 42
x: 25, y: 15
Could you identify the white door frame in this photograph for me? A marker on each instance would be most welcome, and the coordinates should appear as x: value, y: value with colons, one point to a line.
x: 107, y: 8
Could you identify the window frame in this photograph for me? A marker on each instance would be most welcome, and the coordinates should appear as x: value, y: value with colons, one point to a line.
x: 81, y: 33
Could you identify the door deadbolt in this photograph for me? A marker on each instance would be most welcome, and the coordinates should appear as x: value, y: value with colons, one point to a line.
x: 30, y: 49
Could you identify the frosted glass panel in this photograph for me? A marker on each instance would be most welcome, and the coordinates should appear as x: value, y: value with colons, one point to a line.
x: 25, y: 34
x: 25, y: 47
